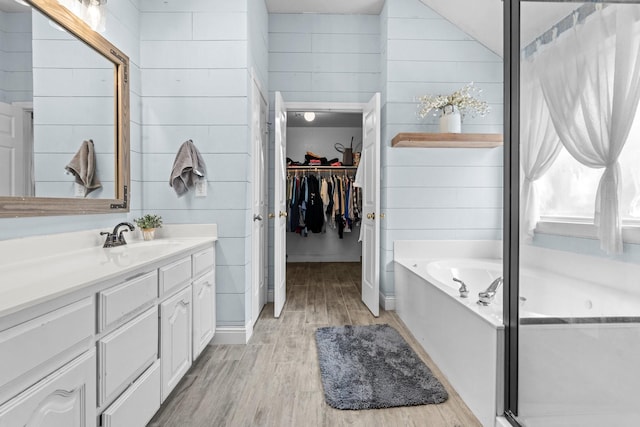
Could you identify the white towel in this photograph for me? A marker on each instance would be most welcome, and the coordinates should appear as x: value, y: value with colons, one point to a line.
x: 188, y: 168
x: 83, y: 167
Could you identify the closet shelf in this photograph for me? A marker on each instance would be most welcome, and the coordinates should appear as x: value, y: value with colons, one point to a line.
x: 447, y: 140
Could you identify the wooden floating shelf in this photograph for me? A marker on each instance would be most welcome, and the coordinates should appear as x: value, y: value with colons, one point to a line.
x: 447, y: 140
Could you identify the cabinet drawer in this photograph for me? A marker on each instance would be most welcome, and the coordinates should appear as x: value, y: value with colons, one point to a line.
x: 136, y: 406
x: 45, y: 338
x: 203, y: 261
x: 67, y: 397
x: 174, y: 275
x: 118, y: 301
x: 125, y: 353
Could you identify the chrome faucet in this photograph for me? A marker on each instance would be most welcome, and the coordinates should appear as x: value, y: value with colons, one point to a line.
x: 487, y: 296
x: 116, y: 239
x: 464, y: 292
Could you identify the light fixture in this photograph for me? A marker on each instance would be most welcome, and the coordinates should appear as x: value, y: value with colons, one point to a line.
x: 92, y: 12
x: 309, y: 116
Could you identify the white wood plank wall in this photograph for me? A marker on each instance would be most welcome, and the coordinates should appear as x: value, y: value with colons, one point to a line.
x: 435, y: 193
x: 197, y: 58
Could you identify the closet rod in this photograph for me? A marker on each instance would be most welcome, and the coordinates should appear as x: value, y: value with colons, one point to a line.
x: 321, y: 167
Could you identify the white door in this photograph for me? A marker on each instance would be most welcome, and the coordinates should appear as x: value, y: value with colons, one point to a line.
x: 11, y: 151
x: 259, y: 234
x: 280, y: 207
x: 371, y: 205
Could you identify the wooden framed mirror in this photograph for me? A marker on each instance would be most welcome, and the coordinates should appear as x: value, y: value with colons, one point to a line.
x: 80, y: 92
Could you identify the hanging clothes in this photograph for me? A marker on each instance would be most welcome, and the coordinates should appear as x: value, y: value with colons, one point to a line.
x: 315, y: 202
x: 314, y: 219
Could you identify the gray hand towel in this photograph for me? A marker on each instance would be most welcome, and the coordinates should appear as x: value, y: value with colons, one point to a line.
x: 83, y: 167
x: 188, y: 167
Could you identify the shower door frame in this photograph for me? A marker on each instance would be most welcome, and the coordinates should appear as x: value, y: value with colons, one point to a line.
x: 511, y: 217
x: 511, y: 196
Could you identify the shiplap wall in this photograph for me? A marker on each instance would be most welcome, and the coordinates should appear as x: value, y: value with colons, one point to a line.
x: 435, y: 193
x: 321, y: 58
x: 196, y: 66
x: 15, y: 58
x: 123, y: 30
x: 426, y: 193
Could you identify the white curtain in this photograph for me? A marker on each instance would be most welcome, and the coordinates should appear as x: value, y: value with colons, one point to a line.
x: 539, y: 146
x: 591, y: 82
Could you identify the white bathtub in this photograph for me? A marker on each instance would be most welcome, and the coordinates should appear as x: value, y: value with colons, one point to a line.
x: 543, y: 295
x: 568, y: 327
x: 464, y: 339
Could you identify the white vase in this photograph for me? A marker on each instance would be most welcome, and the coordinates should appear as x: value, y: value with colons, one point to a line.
x: 450, y: 122
x: 148, y: 233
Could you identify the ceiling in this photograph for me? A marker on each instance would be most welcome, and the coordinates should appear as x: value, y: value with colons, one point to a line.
x: 482, y: 19
x: 12, y: 6
x: 325, y: 119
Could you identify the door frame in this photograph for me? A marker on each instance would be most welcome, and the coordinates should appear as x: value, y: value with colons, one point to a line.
x: 259, y: 184
x: 336, y: 107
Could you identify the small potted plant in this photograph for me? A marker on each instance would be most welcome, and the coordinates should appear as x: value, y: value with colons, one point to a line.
x: 148, y: 224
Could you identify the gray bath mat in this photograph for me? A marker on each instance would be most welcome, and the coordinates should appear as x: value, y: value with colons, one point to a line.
x: 367, y: 367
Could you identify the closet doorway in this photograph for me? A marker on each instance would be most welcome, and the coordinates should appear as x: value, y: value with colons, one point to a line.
x: 370, y: 201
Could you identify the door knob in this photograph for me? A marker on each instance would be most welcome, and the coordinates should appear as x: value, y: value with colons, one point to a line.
x: 272, y: 215
x: 371, y: 216
x: 283, y: 214
x: 257, y: 217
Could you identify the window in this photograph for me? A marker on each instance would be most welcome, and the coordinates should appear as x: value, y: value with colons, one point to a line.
x: 568, y: 190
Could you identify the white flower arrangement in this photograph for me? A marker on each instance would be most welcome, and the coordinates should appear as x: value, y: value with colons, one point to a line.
x: 464, y: 99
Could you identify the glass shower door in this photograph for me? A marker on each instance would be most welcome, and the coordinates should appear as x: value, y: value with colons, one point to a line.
x: 578, y: 254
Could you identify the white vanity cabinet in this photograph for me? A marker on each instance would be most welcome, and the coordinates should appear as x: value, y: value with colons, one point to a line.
x: 52, y: 356
x: 110, y: 351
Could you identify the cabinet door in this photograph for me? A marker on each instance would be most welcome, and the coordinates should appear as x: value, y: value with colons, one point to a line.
x: 66, y: 398
x: 175, y: 339
x: 204, y: 312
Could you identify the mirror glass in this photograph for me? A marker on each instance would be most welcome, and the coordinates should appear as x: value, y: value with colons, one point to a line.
x: 56, y: 92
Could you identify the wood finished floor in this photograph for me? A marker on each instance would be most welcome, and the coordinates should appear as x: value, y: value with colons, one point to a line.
x: 274, y: 380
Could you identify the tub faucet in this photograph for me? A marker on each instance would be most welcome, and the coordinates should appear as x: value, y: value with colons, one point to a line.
x: 487, y: 296
x: 464, y: 292
x: 116, y: 239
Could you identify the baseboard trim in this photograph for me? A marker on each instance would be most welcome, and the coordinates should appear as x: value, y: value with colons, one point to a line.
x: 232, y: 335
x: 387, y: 303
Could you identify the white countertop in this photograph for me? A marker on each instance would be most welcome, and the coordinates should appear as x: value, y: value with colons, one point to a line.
x: 51, y: 270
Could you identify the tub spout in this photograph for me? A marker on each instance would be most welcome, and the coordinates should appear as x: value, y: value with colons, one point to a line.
x: 464, y: 292
x: 487, y: 296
